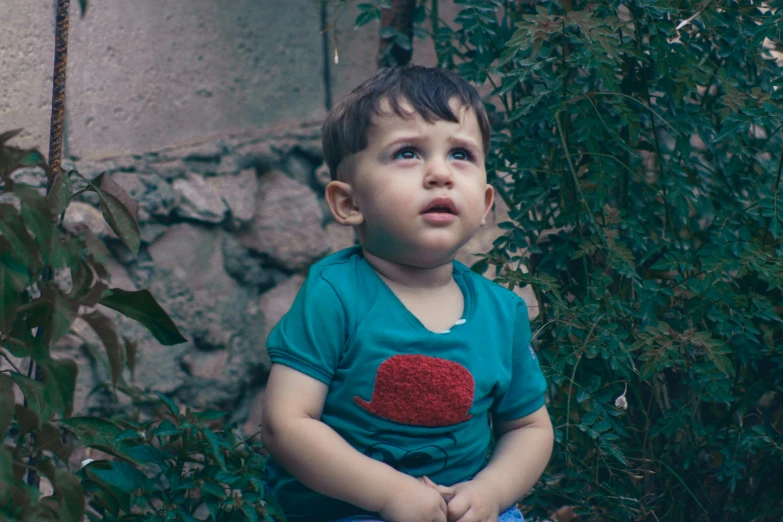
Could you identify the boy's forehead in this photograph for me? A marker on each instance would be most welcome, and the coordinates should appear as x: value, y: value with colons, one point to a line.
x: 386, y: 120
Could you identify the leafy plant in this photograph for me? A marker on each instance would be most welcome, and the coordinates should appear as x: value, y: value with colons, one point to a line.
x: 174, y: 467
x: 638, y: 148
x: 49, y: 277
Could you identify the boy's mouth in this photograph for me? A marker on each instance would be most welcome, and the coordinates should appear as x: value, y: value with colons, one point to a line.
x: 441, y: 205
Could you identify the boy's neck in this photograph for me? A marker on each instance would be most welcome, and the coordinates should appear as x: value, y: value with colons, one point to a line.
x: 411, y: 276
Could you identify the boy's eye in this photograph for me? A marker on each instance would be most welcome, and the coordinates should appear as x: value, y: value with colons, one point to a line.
x: 406, y: 153
x: 461, y: 155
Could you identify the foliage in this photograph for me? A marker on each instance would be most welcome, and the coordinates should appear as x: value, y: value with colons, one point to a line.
x: 638, y: 147
x: 173, y: 467
x: 49, y: 277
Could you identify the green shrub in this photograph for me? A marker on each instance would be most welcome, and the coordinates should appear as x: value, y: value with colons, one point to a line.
x: 161, y: 469
x: 177, y: 466
x: 638, y: 147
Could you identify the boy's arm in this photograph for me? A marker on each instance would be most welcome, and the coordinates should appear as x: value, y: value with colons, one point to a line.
x: 520, y: 456
x: 322, y: 460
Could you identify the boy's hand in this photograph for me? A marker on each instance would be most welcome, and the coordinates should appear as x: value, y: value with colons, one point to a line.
x: 415, y: 502
x: 468, y: 501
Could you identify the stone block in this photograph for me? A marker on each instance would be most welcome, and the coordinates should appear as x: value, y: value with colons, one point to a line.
x: 198, y: 200
x: 275, y: 303
x: 287, y: 226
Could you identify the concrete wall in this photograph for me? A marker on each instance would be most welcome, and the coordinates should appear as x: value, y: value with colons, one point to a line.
x: 146, y: 75
x: 26, y: 61
x: 149, y: 74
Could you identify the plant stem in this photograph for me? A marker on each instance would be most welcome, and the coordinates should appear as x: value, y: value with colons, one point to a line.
x: 7, y: 339
x: 435, y: 21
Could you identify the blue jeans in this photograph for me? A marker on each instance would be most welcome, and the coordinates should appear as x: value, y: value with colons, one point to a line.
x: 512, y: 514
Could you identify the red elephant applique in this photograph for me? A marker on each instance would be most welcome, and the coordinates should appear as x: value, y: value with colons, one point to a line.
x: 421, y: 391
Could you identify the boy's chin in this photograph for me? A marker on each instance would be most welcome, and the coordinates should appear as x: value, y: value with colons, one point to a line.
x: 425, y: 257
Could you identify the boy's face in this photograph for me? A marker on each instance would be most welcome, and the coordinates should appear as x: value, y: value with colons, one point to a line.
x: 421, y: 188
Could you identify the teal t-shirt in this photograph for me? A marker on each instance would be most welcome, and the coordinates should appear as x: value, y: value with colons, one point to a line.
x: 415, y: 399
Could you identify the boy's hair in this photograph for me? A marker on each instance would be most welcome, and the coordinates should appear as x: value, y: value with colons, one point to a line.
x: 428, y: 90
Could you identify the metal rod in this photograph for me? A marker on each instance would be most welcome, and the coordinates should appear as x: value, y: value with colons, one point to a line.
x: 58, y: 89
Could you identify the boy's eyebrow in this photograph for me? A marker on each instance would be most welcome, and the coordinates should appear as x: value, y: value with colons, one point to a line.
x: 453, y: 140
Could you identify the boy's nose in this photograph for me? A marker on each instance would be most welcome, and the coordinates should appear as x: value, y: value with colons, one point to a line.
x: 438, y: 173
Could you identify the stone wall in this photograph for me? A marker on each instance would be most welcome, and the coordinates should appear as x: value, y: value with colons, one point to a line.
x: 229, y: 229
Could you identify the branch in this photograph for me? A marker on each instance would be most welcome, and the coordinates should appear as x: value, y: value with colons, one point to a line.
x: 694, y: 17
x: 8, y: 359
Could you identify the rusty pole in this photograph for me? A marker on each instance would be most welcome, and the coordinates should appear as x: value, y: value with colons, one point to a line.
x: 58, y: 89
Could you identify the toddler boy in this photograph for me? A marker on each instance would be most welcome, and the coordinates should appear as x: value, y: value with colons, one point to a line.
x: 396, y: 363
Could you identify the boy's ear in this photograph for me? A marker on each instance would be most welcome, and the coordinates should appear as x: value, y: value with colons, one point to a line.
x: 339, y: 197
x: 489, y: 199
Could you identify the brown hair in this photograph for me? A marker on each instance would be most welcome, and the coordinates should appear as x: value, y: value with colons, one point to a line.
x: 428, y: 90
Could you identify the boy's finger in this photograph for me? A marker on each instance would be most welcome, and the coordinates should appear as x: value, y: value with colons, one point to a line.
x: 458, y: 509
x: 445, y: 491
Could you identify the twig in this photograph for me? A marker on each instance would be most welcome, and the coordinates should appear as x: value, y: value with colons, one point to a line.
x: 576, y: 181
x: 8, y: 359
x: 692, y: 18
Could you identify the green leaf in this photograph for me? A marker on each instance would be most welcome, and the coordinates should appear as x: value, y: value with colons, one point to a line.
x: 10, y: 287
x: 27, y: 419
x: 186, y: 517
x: 210, y: 415
x: 119, y: 210
x: 615, y: 452
x: 60, y: 194
x: 6, y: 404
x: 12, y: 158
x: 119, y: 478
x: 115, y: 350
x: 22, y: 333
x: 37, y: 216
x: 602, y: 425
x: 34, y: 393
x: 98, y: 433
x: 366, y: 17
x: 83, y: 7
x: 59, y: 384
x: 164, y: 429
x: 214, y: 445
x: 21, y: 250
x: 141, y: 306
x: 9, y: 135
x: 60, y: 314
x: 7, y: 478
x: 214, y: 489
x: 32, y: 158
x: 169, y: 404
x: 70, y: 496
x: 67, y: 491
x: 146, y: 454
x: 732, y: 128
x: 49, y: 438
x: 250, y: 512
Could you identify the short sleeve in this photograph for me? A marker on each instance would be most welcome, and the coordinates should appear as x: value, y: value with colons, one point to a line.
x: 525, y: 392
x: 311, y: 336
